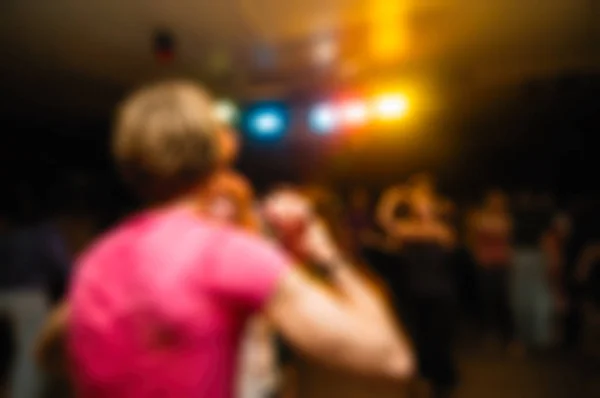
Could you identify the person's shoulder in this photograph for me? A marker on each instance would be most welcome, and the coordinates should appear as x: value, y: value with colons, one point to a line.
x: 242, y: 249
x: 113, y: 238
x: 98, y: 248
x: 245, y: 241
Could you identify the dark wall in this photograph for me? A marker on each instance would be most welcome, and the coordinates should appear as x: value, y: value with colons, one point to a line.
x: 538, y: 137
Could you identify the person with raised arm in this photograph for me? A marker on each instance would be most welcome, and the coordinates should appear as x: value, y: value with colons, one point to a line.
x: 427, y: 243
x: 306, y: 377
x: 158, y: 304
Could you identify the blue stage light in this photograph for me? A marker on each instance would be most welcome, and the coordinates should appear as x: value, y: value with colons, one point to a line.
x: 267, y: 121
x: 323, y: 119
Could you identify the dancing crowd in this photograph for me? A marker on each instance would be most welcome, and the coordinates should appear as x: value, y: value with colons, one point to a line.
x: 213, y: 291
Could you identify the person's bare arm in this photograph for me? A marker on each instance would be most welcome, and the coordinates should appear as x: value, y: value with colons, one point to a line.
x: 51, y: 337
x: 409, y: 231
x: 390, y: 200
x: 349, y: 327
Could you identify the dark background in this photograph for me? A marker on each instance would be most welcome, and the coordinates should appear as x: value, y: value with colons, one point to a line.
x: 515, y: 85
x: 538, y: 136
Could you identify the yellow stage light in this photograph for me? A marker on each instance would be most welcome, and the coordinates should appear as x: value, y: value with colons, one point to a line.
x: 390, y: 106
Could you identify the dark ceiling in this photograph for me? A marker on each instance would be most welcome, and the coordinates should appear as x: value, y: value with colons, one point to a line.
x: 70, y: 55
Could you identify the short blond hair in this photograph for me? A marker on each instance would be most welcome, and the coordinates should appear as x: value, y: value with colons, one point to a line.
x: 165, y: 139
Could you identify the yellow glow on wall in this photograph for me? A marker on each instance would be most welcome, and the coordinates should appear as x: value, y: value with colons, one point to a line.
x: 388, y: 36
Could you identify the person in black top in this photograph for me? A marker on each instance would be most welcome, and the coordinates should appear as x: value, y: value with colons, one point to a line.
x: 426, y: 244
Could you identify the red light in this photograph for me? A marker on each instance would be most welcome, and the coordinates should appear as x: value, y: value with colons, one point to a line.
x: 353, y: 113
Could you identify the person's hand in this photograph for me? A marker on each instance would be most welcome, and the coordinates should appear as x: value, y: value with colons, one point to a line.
x: 288, y: 215
x: 318, y: 245
x: 292, y: 220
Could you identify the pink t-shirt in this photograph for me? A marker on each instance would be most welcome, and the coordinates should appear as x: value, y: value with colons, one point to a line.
x: 159, y: 303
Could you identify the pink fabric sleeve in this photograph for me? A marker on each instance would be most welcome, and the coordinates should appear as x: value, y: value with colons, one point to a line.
x: 247, y: 270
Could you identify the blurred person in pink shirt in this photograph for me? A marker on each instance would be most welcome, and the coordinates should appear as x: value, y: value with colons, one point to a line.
x: 158, y: 304
x: 229, y: 199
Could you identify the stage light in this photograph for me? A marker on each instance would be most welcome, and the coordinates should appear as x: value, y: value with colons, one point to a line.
x: 354, y: 113
x: 391, y: 106
x: 226, y: 111
x: 323, y: 119
x: 267, y: 121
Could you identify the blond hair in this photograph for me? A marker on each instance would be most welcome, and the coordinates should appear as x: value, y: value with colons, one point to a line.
x: 165, y: 139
